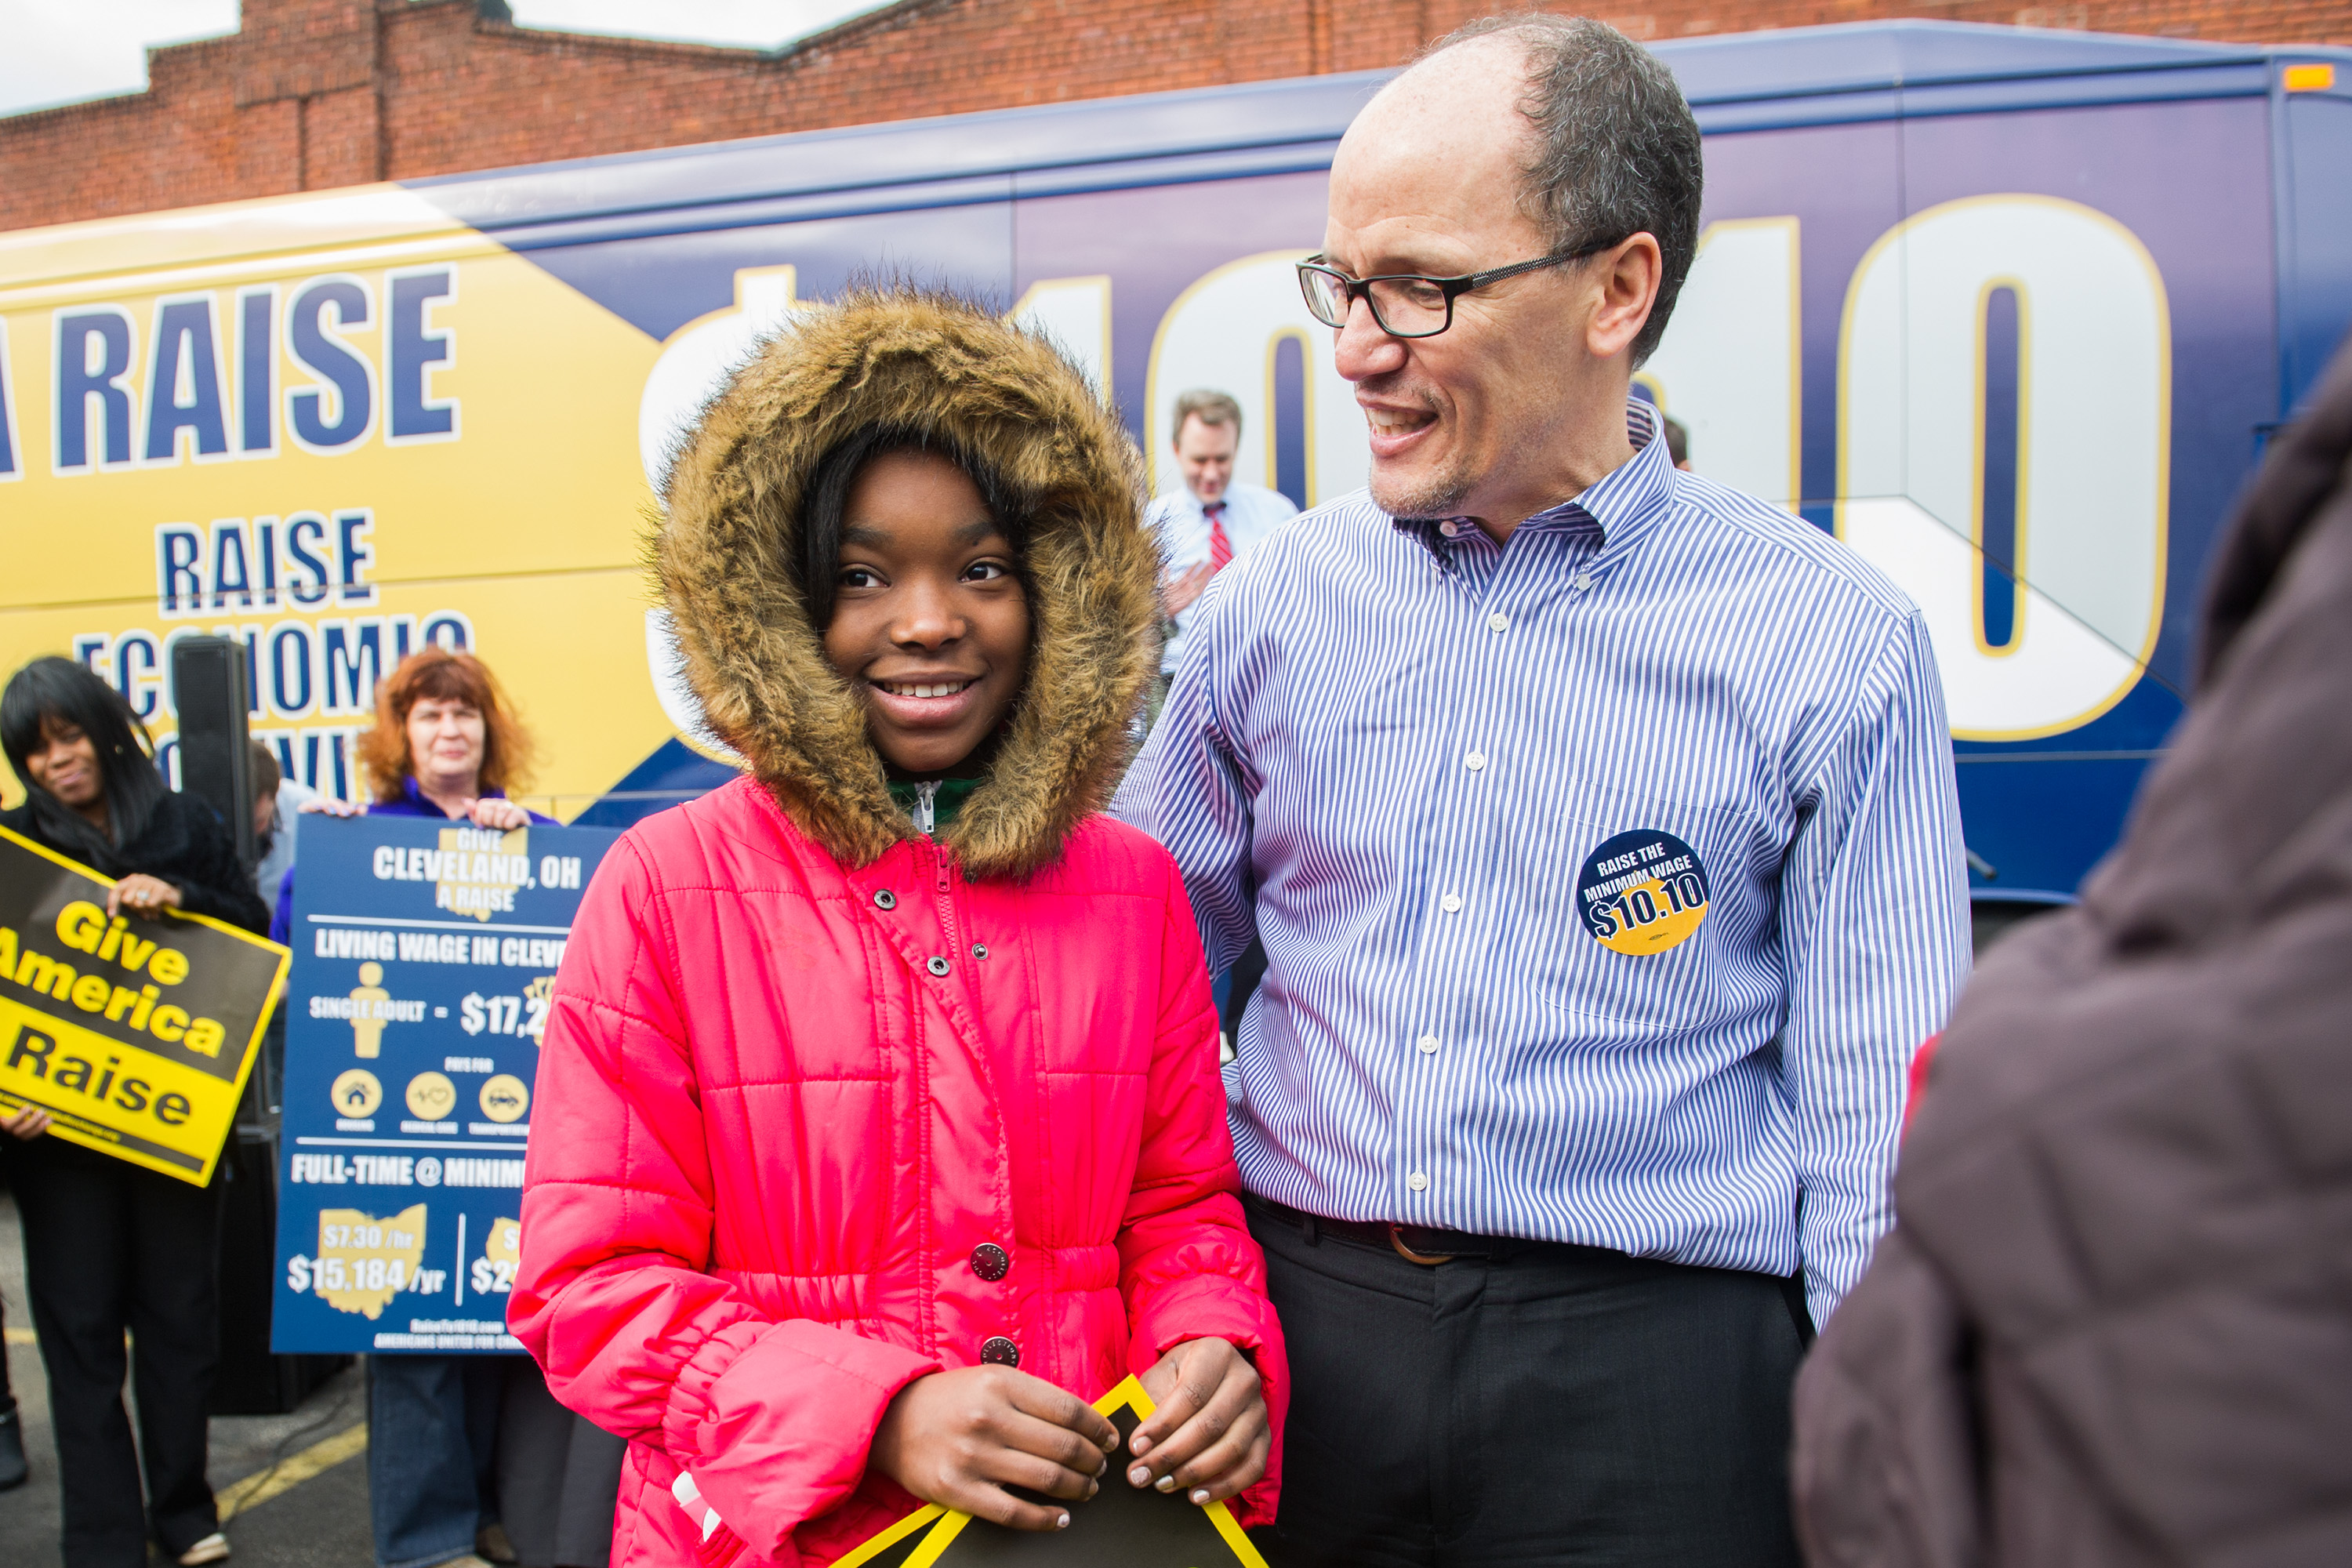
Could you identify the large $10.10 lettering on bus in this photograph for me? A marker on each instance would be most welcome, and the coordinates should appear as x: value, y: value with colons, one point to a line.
x: 424, y: 957
x: 136, y: 1036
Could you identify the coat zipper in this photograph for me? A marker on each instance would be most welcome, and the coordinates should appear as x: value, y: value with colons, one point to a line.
x: 947, y: 901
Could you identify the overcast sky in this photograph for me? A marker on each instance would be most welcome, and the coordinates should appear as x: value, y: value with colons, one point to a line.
x: 62, y: 51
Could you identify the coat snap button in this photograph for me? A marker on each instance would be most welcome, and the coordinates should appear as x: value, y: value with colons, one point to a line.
x: 999, y: 1352
x: 989, y: 1261
x: 884, y: 898
x: 936, y: 966
x: 979, y: 950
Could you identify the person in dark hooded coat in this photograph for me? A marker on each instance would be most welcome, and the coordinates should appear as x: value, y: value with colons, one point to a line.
x: 2112, y: 1326
x: 108, y: 1246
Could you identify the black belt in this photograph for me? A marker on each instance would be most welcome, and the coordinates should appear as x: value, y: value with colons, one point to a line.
x: 1422, y: 1244
x: 1429, y: 1248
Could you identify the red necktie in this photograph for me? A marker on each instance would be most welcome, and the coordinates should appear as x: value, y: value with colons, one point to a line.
x: 1221, y: 547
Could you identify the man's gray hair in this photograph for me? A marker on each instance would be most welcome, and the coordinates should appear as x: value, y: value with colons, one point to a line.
x: 1616, y: 149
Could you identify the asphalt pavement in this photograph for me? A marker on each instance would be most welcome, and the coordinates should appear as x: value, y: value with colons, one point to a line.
x: 300, y: 1481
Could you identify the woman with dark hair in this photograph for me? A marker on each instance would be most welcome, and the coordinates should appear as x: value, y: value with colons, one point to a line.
x: 93, y: 794
x: 109, y: 1247
x: 469, y: 1456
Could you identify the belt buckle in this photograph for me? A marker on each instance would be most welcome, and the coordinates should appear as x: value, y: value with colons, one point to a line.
x: 1427, y: 1260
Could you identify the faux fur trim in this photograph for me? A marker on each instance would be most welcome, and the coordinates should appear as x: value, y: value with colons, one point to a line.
x: 733, y: 499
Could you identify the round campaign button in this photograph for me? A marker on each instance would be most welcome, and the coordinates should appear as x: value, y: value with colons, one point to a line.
x: 1641, y: 892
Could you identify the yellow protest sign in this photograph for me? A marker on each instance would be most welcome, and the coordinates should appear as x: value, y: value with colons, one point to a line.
x: 134, y: 1035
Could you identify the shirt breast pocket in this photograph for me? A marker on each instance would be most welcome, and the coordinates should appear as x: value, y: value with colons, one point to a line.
x: 1644, y: 923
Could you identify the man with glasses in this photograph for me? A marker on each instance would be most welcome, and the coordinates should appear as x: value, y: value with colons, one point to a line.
x: 1599, y: 824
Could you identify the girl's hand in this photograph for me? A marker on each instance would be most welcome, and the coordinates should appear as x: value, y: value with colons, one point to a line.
x: 141, y: 895
x: 328, y: 805
x: 958, y: 1438
x: 28, y: 1123
x: 505, y: 815
x: 1209, y: 1434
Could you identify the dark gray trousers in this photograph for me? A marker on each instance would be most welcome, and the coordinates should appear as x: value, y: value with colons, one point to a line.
x: 1550, y: 1405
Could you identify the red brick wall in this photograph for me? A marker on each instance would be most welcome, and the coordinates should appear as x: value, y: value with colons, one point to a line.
x: 319, y: 93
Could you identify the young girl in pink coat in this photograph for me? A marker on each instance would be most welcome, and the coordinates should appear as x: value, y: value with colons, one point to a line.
x: 878, y: 1122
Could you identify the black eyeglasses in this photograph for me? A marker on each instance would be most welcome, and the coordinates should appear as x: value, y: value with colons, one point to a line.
x: 1408, y: 304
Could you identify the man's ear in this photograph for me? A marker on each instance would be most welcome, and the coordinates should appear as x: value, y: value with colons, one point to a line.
x: 1626, y: 278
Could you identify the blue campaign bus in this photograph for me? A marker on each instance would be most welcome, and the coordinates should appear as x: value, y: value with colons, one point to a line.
x: 2012, y: 311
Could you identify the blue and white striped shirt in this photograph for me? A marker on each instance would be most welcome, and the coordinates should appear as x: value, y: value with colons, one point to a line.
x: 1403, y: 750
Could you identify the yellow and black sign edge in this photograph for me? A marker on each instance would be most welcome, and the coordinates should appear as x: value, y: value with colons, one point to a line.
x: 922, y: 1518
x: 68, y: 1124
x: 1129, y: 1394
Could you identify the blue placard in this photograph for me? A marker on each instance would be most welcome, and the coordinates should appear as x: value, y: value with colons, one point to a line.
x: 423, y: 956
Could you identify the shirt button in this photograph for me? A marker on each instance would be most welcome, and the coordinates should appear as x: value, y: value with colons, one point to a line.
x: 1418, y: 1182
x: 884, y: 898
x: 936, y: 966
x: 1499, y: 621
x: 990, y: 1261
x: 1450, y: 904
x: 1429, y: 1044
x: 1475, y: 761
x: 999, y: 1352
x: 1449, y: 528
x: 1583, y: 580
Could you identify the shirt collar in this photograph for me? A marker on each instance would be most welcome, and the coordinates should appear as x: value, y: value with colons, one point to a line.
x: 1624, y: 504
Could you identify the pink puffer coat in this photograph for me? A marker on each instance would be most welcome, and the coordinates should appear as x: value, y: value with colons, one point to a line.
x: 805, y: 1066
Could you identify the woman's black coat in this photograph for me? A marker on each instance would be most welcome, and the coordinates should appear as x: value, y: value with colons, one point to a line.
x: 184, y: 843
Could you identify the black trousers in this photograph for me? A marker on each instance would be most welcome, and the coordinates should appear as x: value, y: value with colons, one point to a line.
x: 1551, y: 1405
x: 108, y: 1247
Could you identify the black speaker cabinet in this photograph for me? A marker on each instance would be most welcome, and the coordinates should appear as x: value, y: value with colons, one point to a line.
x: 209, y: 692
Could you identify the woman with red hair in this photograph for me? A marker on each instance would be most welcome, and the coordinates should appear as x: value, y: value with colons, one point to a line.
x: 446, y: 742
x: 469, y: 1456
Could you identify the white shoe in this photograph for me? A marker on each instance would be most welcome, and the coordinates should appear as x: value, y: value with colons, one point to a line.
x: 213, y: 1548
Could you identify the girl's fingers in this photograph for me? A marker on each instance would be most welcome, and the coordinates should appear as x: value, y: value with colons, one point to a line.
x: 1228, y: 1422
x: 1234, y: 1461
x: 984, y: 1500
x: 1067, y: 1452
x: 1015, y: 1467
x: 1035, y: 1398
x: 1235, y: 1401
x: 1181, y: 1386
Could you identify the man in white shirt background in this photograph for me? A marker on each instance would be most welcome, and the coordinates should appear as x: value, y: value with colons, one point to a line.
x: 1210, y: 520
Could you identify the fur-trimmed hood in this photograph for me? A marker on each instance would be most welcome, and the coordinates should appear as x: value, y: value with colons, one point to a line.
x: 733, y: 501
